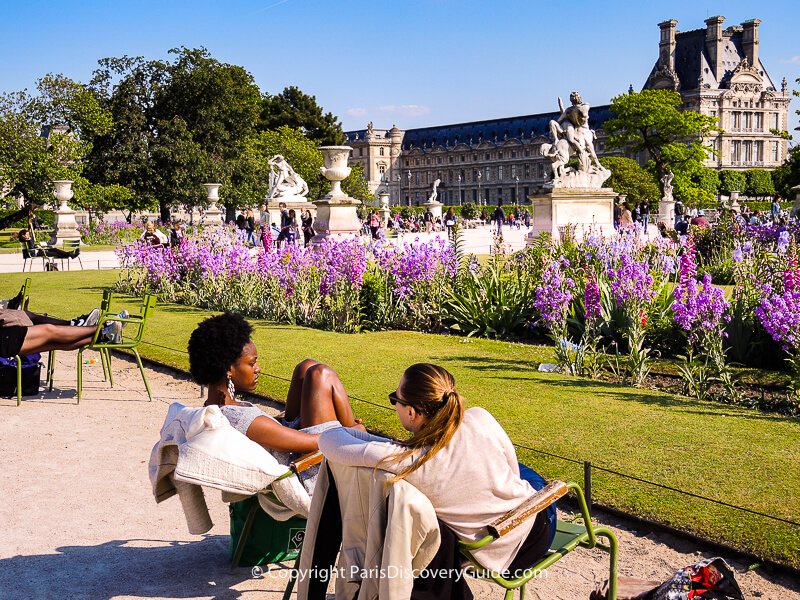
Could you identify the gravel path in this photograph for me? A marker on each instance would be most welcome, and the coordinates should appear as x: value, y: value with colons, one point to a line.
x: 78, y: 520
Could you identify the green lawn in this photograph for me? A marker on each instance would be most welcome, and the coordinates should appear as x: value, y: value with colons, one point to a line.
x: 739, y: 456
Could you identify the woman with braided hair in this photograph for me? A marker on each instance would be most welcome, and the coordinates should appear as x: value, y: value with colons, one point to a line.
x: 462, y: 460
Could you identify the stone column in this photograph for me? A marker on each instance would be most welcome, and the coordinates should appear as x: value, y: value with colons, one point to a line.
x: 336, y: 211
x: 213, y: 215
x: 66, y: 228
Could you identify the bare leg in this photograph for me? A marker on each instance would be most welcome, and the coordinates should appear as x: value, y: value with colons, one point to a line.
x: 43, y: 338
x: 295, y: 389
x: 323, y: 398
x: 38, y: 319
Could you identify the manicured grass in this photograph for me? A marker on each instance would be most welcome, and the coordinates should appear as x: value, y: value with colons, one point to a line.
x: 739, y: 456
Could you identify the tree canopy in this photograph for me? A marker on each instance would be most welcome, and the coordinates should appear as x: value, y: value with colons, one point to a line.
x: 652, y: 121
x: 45, y: 137
x: 627, y: 177
x: 298, y: 110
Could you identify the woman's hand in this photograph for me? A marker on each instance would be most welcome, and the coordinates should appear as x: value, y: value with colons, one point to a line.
x: 359, y: 424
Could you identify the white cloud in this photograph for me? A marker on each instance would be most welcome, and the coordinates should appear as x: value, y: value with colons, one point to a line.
x: 405, y: 110
x: 356, y: 112
x: 795, y: 60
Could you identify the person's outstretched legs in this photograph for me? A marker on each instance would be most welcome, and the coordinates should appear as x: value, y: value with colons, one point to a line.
x: 293, y: 404
x: 323, y: 398
x: 43, y: 338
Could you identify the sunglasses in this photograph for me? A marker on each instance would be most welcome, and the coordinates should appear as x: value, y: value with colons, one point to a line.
x: 393, y: 399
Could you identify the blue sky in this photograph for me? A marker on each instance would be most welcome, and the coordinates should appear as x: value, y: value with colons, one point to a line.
x: 414, y: 63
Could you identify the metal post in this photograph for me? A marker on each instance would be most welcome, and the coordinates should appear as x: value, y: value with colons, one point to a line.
x: 587, y: 482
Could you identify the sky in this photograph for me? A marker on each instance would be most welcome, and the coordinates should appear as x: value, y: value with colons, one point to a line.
x: 413, y: 63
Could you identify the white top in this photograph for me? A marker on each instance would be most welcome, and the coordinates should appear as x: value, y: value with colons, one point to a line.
x: 470, y: 482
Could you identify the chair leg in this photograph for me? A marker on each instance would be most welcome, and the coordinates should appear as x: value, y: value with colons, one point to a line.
x: 19, y: 380
x: 141, y: 370
x: 80, y: 262
x: 509, y: 595
x: 80, y: 374
x: 613, y: 555
x: 51, y: 358
x: 105, y: 359
x: 287, y: 593
x: 248, y: 525
x: 108, y: 363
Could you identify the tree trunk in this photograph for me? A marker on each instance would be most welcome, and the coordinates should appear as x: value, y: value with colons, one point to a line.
x: 163, y: 209
x: 230, y: 213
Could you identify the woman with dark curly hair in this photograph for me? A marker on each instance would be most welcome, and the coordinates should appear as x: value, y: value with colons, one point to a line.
x: 223, y: 357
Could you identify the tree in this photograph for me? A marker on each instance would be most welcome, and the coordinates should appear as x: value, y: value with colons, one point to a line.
x: 627, y: 177
x: 652, y: 121
x: 298, y: 110
x: 355, y: 185
x: 759, y: 183
x: 46, y: 137
x: 732, y: 181
x: 179, y: 124
x: 787, y: 175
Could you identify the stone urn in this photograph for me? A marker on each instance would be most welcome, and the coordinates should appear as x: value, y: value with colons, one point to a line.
x: 213, y: 213
x: 336, y: 211
x: 65, y: 227
x: 335, y: 169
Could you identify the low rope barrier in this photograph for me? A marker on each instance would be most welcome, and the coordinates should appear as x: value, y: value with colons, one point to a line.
x: 587, y: 464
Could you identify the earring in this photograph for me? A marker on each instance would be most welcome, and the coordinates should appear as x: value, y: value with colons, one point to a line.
x: 231, y: 388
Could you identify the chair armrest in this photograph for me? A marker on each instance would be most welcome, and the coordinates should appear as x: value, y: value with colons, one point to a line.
x: 530, y: 507
x: 306, y: 461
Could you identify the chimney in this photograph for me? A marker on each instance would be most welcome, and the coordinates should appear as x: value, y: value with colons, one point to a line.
x: 666, y: 46
x: 750, y: 41
x: 714, y: 45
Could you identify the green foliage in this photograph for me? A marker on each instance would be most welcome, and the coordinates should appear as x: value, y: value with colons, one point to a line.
x: 627, y: 177
x: 732, y: 181
x: 355, y: 185
x: 652, y: 121
x: 296, y: 148
x: 29, y: 161
x: 295, y: 109
x: 707, y: 179
x: 489, y: 302
x: 469, y: 211
x: 759, y: 183
x: 787, y: 175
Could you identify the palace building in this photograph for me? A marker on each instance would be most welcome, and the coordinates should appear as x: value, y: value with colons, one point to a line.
x: 717, y: 72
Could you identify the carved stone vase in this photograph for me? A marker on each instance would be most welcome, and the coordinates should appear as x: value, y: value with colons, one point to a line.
x: 65, y: 227
x: 336, y: 211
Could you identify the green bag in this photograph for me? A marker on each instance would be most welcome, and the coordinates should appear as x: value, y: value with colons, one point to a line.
x: 269, y: 541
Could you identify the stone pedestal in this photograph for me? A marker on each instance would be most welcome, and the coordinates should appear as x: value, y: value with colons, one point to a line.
x: 213, y: 216
x: 297, y: 203
x: 66, y: 228
x: 384, y: 211
x: 435, y: 208
x: 336, y: 211
x: 666, y: 212
x: 584, y: 209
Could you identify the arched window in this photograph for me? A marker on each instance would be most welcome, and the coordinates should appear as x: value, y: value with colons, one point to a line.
x: 381, y: 151
x: 381, y: 170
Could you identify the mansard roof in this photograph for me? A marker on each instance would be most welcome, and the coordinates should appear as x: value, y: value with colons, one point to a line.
x: 693, y: 64
x: 493, y: 131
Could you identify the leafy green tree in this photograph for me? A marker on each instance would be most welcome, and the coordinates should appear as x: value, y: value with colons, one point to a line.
x: 732, y: 181
x: 627, y: 177
x: 652, y: 121
x: 707, y: 179
x: 178, y: 124
x: 787, y: 175
x: 45, y: 137
x: 298, y: 110
x: 355, y: 185
x: 759, y: 183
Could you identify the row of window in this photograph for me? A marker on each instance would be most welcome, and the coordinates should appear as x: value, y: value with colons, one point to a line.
x: 499, y: 155
x: 746, y: 151
x: 487, y: 174
x: 487, y: 196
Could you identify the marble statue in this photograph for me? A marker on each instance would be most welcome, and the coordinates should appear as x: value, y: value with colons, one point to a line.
x: 435, y: 191
x: 666, y: 181
x: 572, y: 137
x: 284, y: 182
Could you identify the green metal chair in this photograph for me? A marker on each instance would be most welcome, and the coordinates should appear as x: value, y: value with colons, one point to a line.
x: 569, y: 536
x: 135, y: 325
x: 70, y: 246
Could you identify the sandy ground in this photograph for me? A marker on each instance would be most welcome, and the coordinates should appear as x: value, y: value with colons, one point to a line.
x: 78, y: 519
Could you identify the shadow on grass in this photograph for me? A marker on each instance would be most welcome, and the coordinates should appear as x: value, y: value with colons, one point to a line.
x: 132, y: 568
x: 486, y: 364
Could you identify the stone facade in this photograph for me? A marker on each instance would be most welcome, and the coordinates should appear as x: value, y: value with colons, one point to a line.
x: 718, y: 72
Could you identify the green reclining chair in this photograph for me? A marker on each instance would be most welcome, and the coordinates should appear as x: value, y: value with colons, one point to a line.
x: 569, y: 536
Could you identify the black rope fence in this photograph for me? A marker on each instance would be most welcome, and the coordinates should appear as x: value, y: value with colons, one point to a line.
x: 588, y: 466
